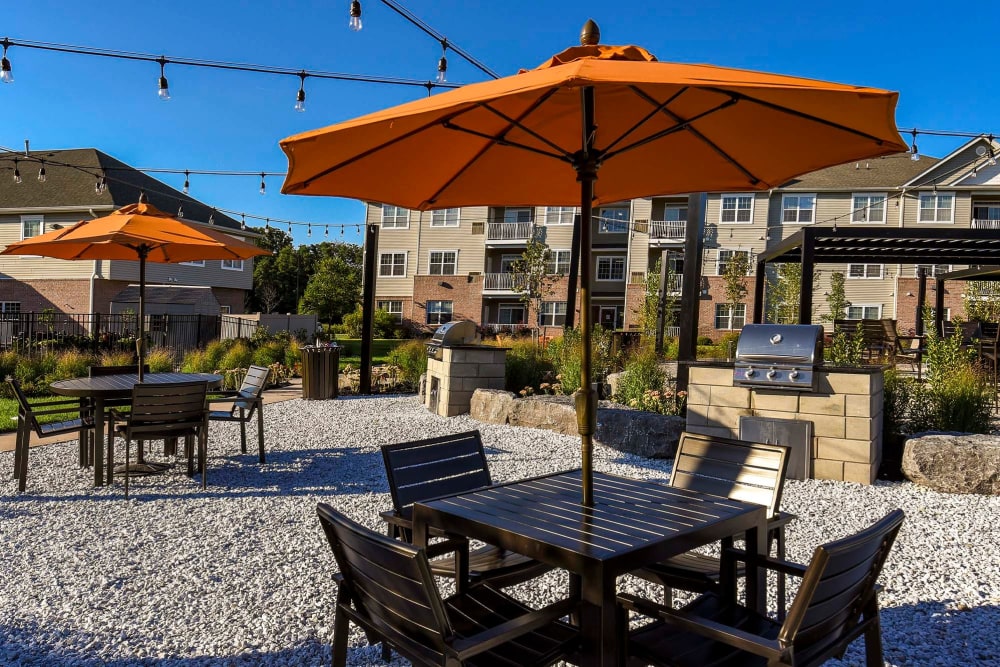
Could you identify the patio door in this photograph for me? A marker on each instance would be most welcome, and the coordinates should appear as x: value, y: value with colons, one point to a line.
x: 512, y: 314
x: 607, y: 317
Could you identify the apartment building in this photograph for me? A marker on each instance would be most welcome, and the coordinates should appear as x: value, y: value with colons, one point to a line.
x: 437, y: 266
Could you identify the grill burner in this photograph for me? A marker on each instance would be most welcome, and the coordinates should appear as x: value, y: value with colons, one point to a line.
x: 459, y: 332
x: 778, y: 355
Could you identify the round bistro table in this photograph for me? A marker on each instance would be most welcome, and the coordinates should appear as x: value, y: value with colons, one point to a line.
x: 108, y: 387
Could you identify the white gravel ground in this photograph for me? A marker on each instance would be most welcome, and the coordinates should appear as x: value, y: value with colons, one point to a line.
x: 240, y: 574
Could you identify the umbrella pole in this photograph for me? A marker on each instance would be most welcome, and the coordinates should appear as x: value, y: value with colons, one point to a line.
x: 586, y: 399
x: 140, y: 334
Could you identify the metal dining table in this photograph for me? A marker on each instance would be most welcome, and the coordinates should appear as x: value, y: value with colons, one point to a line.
x: 99, y: 390
x: 632, y: 523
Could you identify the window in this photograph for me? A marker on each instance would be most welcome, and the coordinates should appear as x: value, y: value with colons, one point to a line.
x: 32, y: 225
x: 864, y: 311
x: 512, y: 314
x: 613, y: 220
x: 522, y: 214
x: 611, y: 268
x: 194, y: 262
x: 798, y: 209
x: 864, y: 271
x: 394, y: 308
x: 443, y: 262
x: 9, y: 310
x: 986, y: 211
x: 736, y: 209
x: 675, y: 214
x: 931, y: 269
x: 394, y: 217
x: 232, y: 264
x: 868, y: 208
x: 392, y: 264
x: 558, y: 262
x: 446, y: 217
x: 936, y: 207
x: 224, y: 310
x: 439, y: 312
x: 560, y: 215
x: 553, y: 314
x: 728, y: 316
x: 507, y: 263
x: 726, y: 256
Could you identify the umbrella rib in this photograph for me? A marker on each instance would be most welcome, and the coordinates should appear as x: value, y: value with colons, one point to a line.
x: 711, y: 144
x: 496, y: 140
x: 645, y: 119
x: 518, y: 122
x: 800, y: 114
x: 670, y: 130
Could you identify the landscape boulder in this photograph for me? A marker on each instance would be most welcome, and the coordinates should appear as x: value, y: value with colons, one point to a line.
x: 637, y: 432
x: 554, y: 413
x: 954, y: 463
x: 491, y: 405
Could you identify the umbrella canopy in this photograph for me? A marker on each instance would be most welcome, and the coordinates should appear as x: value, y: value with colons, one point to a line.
x: 136, y: 232
x: 593, y: 125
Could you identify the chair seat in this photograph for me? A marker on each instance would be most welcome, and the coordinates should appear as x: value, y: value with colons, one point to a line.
x: 661, y: 643
x: 502, y: 568
x: 483, y: 606
x: 223, y: 415
x: 68, y: 426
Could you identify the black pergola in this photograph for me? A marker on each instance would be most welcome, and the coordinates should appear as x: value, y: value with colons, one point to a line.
x: 830, y: 245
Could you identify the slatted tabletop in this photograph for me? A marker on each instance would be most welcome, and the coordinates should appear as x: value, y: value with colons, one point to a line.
x: 632, y: 523
x: 120, y: 386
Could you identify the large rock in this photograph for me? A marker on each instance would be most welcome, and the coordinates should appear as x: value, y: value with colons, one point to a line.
x: 636, y: 432
x: 954, y: 463
x: 555, y: 413
x: 491, y: 405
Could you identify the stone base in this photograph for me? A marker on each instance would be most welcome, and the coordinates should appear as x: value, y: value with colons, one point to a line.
x: 954, y: 463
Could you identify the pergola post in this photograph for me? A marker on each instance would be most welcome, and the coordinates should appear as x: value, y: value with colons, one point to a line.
x: 368, y: 307
x: 938, y: 306
x: 918, y: 327
x: 808, y: 265
x: 758, y: 293
x: 687, y: 321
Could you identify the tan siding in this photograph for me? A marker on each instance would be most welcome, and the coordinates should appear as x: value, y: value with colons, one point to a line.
x: 911, y: 209
x: 728, y: 236
x: 399, y: 240
x: 471, y: 249
x: 830, y: 205
x: 945, y: 172
x: 39, y: 268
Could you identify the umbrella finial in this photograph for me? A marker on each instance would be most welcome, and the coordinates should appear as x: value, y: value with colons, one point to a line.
x: 591, y: 33
x: 142, y: 198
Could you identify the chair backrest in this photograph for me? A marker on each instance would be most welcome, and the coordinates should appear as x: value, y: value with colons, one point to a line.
x: 426, y: 469
x: 990, y: 331
x: 736, y: 469
x: 835, y: 589
x: 100, y: 371
x: 22, y: 404
x: 253, y: 386
x: 390, y: 585
x: 166, y: 407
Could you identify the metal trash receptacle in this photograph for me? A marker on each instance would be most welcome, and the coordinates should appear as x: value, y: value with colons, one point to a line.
x: 320, y: 371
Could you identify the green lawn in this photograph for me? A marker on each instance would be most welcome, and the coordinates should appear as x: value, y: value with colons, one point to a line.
x: 8, y: 412
x: 350, y: 352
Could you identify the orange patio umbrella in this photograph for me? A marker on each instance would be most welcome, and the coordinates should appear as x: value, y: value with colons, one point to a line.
x: 137, y: 231
x: 593, y: 125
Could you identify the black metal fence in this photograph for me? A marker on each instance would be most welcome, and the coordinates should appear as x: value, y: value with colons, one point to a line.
x: 38, y: 333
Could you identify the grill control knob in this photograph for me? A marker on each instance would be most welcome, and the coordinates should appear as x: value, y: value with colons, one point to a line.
x: 750, y: 373
x: 793, y: 375
x: 771, y: 373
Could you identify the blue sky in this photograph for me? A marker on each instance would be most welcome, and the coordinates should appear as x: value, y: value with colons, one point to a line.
x: 219, y: 120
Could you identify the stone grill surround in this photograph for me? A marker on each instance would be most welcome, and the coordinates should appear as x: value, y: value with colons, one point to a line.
x: 846, y: 411
x: 461, y: 370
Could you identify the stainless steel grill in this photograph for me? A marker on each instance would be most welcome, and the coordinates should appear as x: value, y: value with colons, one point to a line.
x: 778, y: 355
x: 459, y: 332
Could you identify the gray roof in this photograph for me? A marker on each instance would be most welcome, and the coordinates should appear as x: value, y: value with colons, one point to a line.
x: 65, y: 186
x: 890, y: 171
x: 174, y: 294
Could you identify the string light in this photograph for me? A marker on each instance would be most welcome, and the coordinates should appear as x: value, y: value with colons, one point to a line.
x: 263, y: 185
x: 326, y: 231
x: 914, y: 153
x: 180, y: 211
x: 100, y: 186
x: 6, y: 73
x: 443, y: 63
x: 211, y: 217
x: 243, y: 221
x: 164, y: 91
x: 17, y: 174
x: 267, y: 224
x: 300, y: 97
x: 355, y: 22
x: 41, y: 174
x: 309, y: 230
x: 289, y: 228
x: 187, y: 182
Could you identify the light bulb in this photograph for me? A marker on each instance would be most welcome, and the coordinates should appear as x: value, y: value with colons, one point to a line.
x: 442, y: 70
x: 164, y: 91
x: 180, y: 211
x: 243, y: 221
x: 309, y: 230
x: 17, y: 174
x: 300, y: 97
x: 914, y: 153
x: 211, y: 217
x: 289, y: 229
x: 326, y: 231
x: 187, y: 182
x: 355, y: 23
x: 6, y: 74
x: 267, y: 224
x: 263, y: 185
x: 41, y: 174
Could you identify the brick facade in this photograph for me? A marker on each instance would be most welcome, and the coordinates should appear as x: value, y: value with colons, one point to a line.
x: 65, y: 296
x: 234, y: 298
x: 906, y: 306
x: 717, y: 295
x: 465, y: 293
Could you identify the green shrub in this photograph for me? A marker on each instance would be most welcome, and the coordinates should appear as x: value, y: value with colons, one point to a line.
x: 271, y: 352
x: 411, y: 359
x: 8, y: 362
x: 160, y: 360
x: 117, y: 358
x: 564, y: 353
x: 526, y: 364
x: 847, y: 349
x: 642, y: 373
x: 384, y: 323
x: 727, y: 343
x: 293, y: 357
x: 197, y: 361
x: 705, y: 340
x: 239, y: 355
x: 72, y: 364
x: 214, y: 352
x: 34, y: 373
x: 962, y: 400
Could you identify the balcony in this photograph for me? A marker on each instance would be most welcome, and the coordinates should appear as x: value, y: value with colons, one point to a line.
x: 502, y: 282
x: 674, y: 282
x: 508, y: 233
x: 495, y: 328
x: 986, y: 224
x: 666, y: 231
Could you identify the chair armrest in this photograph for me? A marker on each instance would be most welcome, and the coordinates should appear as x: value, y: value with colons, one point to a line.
x: 57, y: 411
x: 68, y: 401
x: 768, y: 562
x: 393, y: 518
x: 781, y: 520
x: 222, y: 397
x: 767, y: 648
x: 446, y: 546
x: 115, y: 415
x: 489, y: 639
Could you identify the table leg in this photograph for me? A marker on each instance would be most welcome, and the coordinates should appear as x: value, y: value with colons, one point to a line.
x: 756, y: 545
x: 599, y: 623
x: 98, y: 406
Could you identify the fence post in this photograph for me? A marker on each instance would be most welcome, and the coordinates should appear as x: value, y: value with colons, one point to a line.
x: 198, y: 334
x: 96, y: 333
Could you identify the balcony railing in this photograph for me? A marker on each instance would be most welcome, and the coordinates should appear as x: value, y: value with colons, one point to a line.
x: 502, y: 282
x: 986, y: 224
x: 667, y: 229
x: 495, y: 327
x: 508, y: 231
x: 674, y: 282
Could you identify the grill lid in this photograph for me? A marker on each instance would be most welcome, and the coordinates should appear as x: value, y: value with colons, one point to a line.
x: 459, y: 332
x: 800, y: 344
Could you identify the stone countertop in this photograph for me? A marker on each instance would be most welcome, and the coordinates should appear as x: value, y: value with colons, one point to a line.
x: 822, y: 368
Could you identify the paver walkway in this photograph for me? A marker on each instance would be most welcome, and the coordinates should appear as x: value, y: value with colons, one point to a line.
x: 292, y: 390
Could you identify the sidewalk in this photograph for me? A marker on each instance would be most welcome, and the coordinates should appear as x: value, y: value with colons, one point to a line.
x: 277, y: 395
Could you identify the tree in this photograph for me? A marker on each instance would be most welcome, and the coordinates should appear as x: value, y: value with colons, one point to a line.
x: 982, y: 301
x: 334, y: 285
x: 783, y: 294
x: 268, y: 294
x: 649, y: 309
x: 532, y: 280
x: 836, y: 300
x: 734, y: 278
